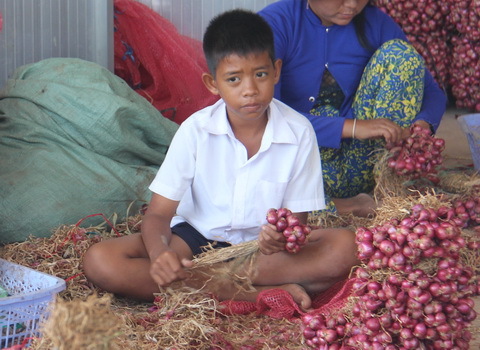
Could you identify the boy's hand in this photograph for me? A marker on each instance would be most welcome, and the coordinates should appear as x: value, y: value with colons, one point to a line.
x: 168, y: 268
x: 271, y: 241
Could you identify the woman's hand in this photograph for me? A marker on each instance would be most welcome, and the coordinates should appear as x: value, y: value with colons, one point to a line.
x: 168, y: 268
x: 423, y: 124
x: 374, y: 129
x: 271, y: 241
x: 379, y: 128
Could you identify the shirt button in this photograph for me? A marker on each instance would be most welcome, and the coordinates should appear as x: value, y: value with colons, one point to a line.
x: 311, y: 99
x: 326, y: 65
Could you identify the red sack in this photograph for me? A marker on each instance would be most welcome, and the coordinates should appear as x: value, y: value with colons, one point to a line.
x: 160, y: 64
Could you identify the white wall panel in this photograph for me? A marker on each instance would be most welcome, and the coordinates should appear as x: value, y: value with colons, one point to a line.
x: 191, y: 17
x: 37, y: 29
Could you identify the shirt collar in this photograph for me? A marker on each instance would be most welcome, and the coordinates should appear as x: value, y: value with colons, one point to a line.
x: 218, y: 122
x: 278, y: 129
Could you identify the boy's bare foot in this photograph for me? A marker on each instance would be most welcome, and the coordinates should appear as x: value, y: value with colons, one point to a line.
x: 362, y: 205
x: 299, y: 295
x: 297, y: 292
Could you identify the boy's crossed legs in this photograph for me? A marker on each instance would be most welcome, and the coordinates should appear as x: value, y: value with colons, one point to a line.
x: 121, y: 266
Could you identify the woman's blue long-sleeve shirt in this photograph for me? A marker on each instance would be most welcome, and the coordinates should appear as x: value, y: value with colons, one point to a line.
x: 307, y: 48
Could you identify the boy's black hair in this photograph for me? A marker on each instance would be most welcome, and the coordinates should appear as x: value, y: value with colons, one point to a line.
x: 241, y: 32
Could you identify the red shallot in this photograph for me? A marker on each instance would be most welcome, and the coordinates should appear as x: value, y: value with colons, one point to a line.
x: 293, y: 230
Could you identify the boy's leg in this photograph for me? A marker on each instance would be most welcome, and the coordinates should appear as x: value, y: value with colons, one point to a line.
x: 325, y: 260
x: 121, y: 265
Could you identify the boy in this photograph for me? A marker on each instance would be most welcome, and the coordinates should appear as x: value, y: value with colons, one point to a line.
x: 226, y: 166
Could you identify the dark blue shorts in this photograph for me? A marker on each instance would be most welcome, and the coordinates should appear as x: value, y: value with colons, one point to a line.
x: 195, y: 239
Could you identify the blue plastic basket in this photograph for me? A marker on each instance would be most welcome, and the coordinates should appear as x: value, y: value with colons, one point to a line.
x: 470, y: 124
x: 30, y: 293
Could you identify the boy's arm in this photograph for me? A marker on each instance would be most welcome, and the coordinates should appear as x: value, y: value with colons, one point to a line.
x: 156, y: 232
x: 166, y: 266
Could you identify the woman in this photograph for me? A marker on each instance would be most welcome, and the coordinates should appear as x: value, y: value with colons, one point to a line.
x: 348, y: 67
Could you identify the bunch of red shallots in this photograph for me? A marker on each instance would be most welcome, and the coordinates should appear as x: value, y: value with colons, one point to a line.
x: 417, y: 156
x: 414, y: 287
x: 294, y: 231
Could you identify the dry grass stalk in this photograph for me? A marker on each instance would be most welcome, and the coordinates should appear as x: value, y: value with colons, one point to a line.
x: 184, y: 319
x: 324, y: 219
x: 60, y: 255
x: 215, y: 269
x: 387, y: 183
x: 460, y: 182
x: 82, y: 325
x: 242, y: 251
x: 398, y: 207
x: 468, y: 256
x: 187, y: 319
x: 196, y: 323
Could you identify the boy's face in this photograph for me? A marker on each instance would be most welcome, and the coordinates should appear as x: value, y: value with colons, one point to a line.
x: 246, y: 84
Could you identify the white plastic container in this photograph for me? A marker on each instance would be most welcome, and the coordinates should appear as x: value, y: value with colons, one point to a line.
x: 470, y: 124
x: 31, y: 292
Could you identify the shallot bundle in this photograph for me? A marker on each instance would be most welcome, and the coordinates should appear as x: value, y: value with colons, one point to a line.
x: 413, y: 289
x: 464, y: 80
x: 465, y: 73
x: 417, y: 156
x: 322, y: 332
x: 447, y: 35
x: 425, y: 25
x: 293, y: 230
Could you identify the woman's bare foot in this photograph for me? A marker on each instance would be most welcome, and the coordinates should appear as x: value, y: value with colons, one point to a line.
x: 362, y: 205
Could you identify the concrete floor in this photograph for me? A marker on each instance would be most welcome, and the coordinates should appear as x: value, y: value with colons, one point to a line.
x: 457, y: 153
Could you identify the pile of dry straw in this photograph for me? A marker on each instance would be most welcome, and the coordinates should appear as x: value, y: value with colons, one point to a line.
x: 84, y: 317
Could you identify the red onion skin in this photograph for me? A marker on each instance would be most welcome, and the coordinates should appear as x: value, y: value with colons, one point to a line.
x: 397, y: 261
x: 309, y: 333
x: 373, y: 325
x: 292, y: 220
x: 387, y: 247
x: 281, y: 224
x: 420, y: 330
x: 411, y: 343
x: 272, y: 216
x: 340, y: 329
x: 365, y: 250
x: 283, y: 212
x: 329, y: 335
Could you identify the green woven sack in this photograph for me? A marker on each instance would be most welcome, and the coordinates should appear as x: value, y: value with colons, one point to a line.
x: 75, y: 140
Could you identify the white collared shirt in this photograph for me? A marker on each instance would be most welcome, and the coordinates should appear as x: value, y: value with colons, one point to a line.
x: 225, y: 195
